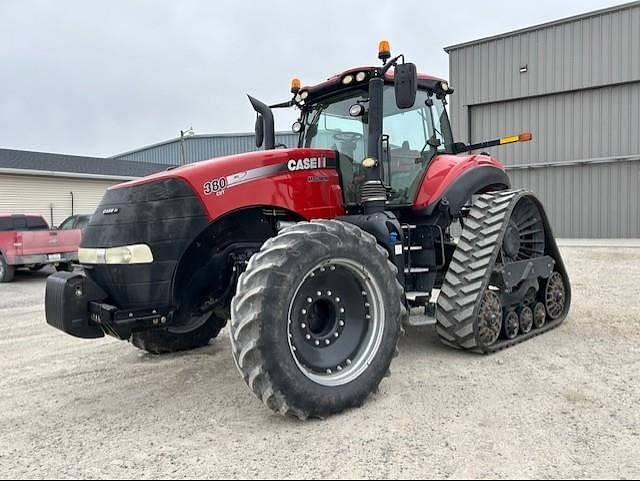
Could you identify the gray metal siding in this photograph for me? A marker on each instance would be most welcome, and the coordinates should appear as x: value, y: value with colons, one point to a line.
x: 202, y: 147
x: 586, y: 124
x: 594, y: 201
x: 580, y: 54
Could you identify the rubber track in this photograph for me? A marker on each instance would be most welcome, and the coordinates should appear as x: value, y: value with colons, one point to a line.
x: 470, y: 271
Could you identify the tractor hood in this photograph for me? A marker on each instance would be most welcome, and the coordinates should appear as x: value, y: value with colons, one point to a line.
x: 277, y: 178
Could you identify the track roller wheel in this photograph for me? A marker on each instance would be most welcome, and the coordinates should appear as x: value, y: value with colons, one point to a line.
x: 526, y: 320
x: 539, y: 315
x: 511, y: 325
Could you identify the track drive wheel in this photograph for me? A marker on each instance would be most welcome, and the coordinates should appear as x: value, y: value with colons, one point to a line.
x: 316, y: 319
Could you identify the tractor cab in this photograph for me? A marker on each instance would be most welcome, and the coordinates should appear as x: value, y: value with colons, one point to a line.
x: 386, y: 124
x: 338, y: 117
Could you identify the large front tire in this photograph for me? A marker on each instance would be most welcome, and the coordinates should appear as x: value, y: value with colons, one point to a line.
x: 165, y: 341
x: 316, y: 319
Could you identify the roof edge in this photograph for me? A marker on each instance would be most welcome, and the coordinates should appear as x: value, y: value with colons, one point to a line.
x: 544, y: 25
x: 73, y: 175
x: 196, y: 136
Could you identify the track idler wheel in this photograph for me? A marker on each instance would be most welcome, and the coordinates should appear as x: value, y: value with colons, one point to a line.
x: 526, y: 320
x: 511, y: 325
x: 490, y: 318
x: 555, y: 295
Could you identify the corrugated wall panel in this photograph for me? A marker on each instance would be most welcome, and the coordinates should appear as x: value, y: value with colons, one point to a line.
x: 595, y: 201
x: 202, y: 147
x: 582, y: 53
x: 20, y: 194
x: 581, y: 125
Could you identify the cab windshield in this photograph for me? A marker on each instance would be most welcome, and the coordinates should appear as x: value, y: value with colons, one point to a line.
x: 416, y: 135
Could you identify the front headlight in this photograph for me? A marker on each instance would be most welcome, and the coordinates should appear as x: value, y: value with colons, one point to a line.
x: 135, y: 254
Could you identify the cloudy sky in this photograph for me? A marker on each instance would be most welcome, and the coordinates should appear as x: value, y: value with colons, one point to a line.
x: 98, y: 78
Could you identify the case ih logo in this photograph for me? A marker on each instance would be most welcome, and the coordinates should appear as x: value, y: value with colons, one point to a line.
x: 307, y: 163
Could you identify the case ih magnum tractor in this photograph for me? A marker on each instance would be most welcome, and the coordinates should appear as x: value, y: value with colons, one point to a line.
x: 319, y: 255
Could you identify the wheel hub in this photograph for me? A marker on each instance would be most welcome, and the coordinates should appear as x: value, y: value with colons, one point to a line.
x: 322, y: 322
x: 512, y: 240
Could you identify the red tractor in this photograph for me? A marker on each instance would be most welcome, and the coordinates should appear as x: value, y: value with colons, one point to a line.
x: 320, y: 254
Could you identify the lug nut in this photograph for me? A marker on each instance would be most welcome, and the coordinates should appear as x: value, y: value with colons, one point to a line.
x: 367, y: 316
x: 329, y: 371
x: 317, y: 343
x: 342, y: 310
x: 309, y: 300
x: 155, y: 322
x: 366, y: 304
x: 348, y: 362
x: 303, y: 325
x: 304, y: 311
x: 336, y: 335
x: 163, y: 320
x: 341, y: 323
x: 329, y: 293
x: 337, y: 299
x: 319, y: 293
x: 327, y: 342
x: 339, y: 368
x: 308, y: 337
x: 333, y: 268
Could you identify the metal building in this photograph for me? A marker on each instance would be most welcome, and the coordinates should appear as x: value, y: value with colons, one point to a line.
x: 575, y: 84
x: 57, y: 185
x: 201, y: 147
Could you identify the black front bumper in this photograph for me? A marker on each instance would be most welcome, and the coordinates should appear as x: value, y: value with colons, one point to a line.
x: 75, y: 304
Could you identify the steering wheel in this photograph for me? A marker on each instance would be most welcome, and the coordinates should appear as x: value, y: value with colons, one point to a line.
x: 347, y: 136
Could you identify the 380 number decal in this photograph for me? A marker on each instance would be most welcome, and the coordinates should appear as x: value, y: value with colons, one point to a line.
x: 215, y: 185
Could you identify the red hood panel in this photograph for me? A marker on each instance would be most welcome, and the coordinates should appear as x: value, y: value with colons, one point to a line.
x: 304, y: 181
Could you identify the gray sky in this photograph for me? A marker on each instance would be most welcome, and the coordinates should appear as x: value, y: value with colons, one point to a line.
x: 98, y: 78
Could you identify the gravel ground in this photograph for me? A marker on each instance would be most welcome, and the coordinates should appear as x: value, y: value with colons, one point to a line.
x: 562, y: 405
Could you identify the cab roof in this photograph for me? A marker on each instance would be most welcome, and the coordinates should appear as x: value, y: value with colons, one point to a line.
x: 335, y: 81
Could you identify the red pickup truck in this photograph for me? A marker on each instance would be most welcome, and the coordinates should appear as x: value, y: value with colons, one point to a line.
x: 28, y: 241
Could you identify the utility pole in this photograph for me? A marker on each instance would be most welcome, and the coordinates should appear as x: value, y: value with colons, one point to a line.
x: 183, y: 150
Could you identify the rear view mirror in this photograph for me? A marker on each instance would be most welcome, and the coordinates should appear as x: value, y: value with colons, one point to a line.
x: 259, y: 130
x: 406, y: 84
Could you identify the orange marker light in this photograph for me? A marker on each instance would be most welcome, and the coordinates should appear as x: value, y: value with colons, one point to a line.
x: 525, y: 136
x: 384, y: 50
x: 295, y: 85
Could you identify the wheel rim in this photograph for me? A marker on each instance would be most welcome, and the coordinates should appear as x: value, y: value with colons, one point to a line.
x: 526, y: 320
x: 489, y: 318
x: 335, y: 322
x: 555, y: 295
x: 524, y: 236
x: 539, y: 315
x: 194, y: 322
x: 511, y: 325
